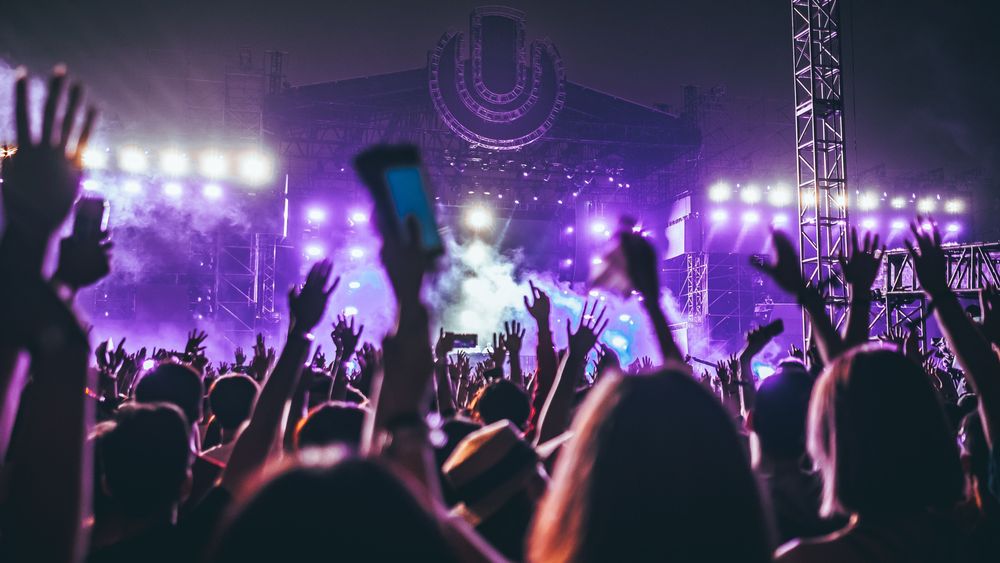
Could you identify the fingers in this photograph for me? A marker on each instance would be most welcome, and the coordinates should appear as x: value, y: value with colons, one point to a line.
x: 52, y: 103
x: 21, y: 109
x: 69, y: 118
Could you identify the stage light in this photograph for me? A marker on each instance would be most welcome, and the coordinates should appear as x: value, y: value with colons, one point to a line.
x: 954, y: 206
x: 173, y: 189
x: 569, y: 230
x: 779, y: 219
x: 95, y: 158
x: 751, y: 217
x: 869, y: 224
x: 720, y: 216
x: 479, y: 218
x: 839, y: 200
x: 350, y: 311
x: 357, y: 252
x: 213, y: 164
x: 763, y: 371
x: 719, y: 192
x: 132, y: 159
x: 868, y: 201
x: 567, y: 262
x: 926, y: 205
x: 898, y: 225
x: 780, y: 196
x: 173, y: 162
x: 598, y: 227
x: 316, y: 214
x: 255, y: 167
x: 148, y: 364
x: 624, y: 318
x: 91, y: 185
x: 898, y: 202
x: 314, y: 250
x: 132, y: 186
x: 354, y: 285
x: 750, y: 195
x: 619, y: 342
x: 359, y: 217
x: 953, y: 228
x: 212, y: 191
x: 476, y: 254
x: 596, y: 260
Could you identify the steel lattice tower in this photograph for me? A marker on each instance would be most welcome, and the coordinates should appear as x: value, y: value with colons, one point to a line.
x: 820, y: 150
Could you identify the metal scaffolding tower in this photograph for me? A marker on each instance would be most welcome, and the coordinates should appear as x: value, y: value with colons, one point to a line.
x: 820, y: 150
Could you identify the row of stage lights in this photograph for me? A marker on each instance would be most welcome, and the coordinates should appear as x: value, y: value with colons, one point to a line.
x: 782, y: 196
x: 781, y: 220
x: 170, y: 189
x: 251, y: 166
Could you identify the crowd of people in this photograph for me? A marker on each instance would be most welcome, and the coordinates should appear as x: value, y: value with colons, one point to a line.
x: 858, y: 450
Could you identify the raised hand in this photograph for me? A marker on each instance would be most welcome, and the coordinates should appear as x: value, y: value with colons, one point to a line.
x: 785, y: 270
x: 83, y: 261
x: 498, y: 353
x: 41, y: 180
x: 894, y: 335
x: 513, y: 337
x: 239, y: 356
x: 194, y: 346
x: 344, y: 336
x: 540, y: 307
x: 318, y: 359
x: 222, y: 368
x: 861, y: 268
x: 796, y: 352
x: 370, y: 362
x: 641, y: 262
x: 445, y: 344
x: 759, y: 337
x: 101, y: 354
x: 929, y: 263
x: 263, y: 359
x: 589, y: 329
x: 308, y: 304
x: 645, y: 363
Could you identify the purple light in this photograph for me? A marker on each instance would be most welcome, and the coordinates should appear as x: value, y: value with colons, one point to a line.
x: 132, y: 187
x: 869, y: 224
x: 212, y: 191
x: 359, y: 217
x: 780, y: 219
x: 173, y: 189
x: 568, y: 262
x: 569, y: 230
x: 314, y: 250
x: 953, y: 228
x: 354, y: 285
x: 357, y: 252
x: 596, y: 260
x: 611, y: 178
x: 898, y: 225
x: 720, y: 216
x: 350, y: 311
x: 316, y: 214
x: 598, y: 227
x: 751, y: 217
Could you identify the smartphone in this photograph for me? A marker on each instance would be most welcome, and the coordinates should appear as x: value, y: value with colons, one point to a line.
x: 91, y: 221
x: 398, y: 184
x: 463, y: 340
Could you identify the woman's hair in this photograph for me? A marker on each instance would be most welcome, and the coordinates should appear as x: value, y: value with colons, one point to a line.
x: 655, y: 470
x: 879, y: 437
x: 348, y: 508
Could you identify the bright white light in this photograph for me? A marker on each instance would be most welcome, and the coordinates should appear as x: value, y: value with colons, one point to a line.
x: 316, y: 214
x: 839, y: 200
x: 314, y: 250
x: 354, y: 285
x: 624, y: 318
x: 898, y: 202
x: 869, y: 224
x: 898, y: 225
x: 212, y: 191
x: 467, y: 318
x: 479, y: 218
x: 132, y: 186
x: 596, y: 260
x: 750, y: 194
x: 149, y: 364
x: 954, y: 206
x: 359, y: 217
x: 132, y: 159
x: 619, y: 342
x: 213, y: 164
x: 780, y: 219
x: 868, y: 201
x: 926, y: 205
x: 173, y: 162
x: 91, y: 185
x: 720, y: 192
x: 567, y: 262
x: 569, y: 230
x: 764, y: 371
x: 476, y: 254
x: 720, y: 215
x: 95, y: 158
x: 357, y: 252
x: 780, y: 196
x: 598, y: 227
x: 173, y: 189
x: 953, y: 228
x: 350, y: 311
x: 255, y: 167
x: 751, y: 217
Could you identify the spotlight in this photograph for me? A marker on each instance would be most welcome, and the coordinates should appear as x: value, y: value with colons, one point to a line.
x: 148, y: 364
x: 314, y: 250
x: 750, y: 194
x: 720, y: 216
x: 624, y: 318
x: 869, y: 224
x: 898, y: 202
x: 95, y: 158
x: 173, y: 163
x: 212, y: 191
x: 868, y: 201
x: 780, y: 196
x: 839, y: 200
x: 255, y: 167
x: 779, y: 219
x: 132, y: 186
x: 91, y: 185
x: 598, y: 227
x: 953, y: 228
x: 479, y: 218
x: 316, y: 214
x: 350, y: 311
x: 213, y: 164
x: 596, y: 260
x: 354, y: 285
x: 751, y: 217
x: 357, y: 252
x: 359, y: 217
x: 926, y: 205
x: 132, y: 159
x: 954, y: 206
x: 619, y: 342
x: 569, y: 230
x: 567, y: 262
x: 898, y: 225
x: 173, y: 189
x: 719, y: 192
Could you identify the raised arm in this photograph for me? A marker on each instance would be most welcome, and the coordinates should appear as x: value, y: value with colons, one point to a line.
x: 643, y: 271
x: 540, y: 308
x: 256, y: 443
x: 757, y: 339
x: 514, y: 337
x: 860, y: 271
x: 973, y: 350
x: 442, y: 383
x: 346, y: 340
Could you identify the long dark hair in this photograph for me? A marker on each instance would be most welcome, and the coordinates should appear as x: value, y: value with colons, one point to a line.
x: 655, y: 471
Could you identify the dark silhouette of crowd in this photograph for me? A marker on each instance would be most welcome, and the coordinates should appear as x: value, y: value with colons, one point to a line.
x: 855, y: 450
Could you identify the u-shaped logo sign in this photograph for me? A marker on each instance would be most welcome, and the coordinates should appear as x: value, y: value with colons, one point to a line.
x: 506, y: 95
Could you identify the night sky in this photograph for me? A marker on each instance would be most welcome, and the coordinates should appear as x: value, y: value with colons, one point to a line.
x: 924, y: 83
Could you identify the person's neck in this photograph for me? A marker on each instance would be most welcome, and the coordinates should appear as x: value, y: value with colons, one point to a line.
x: 114, y: 527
